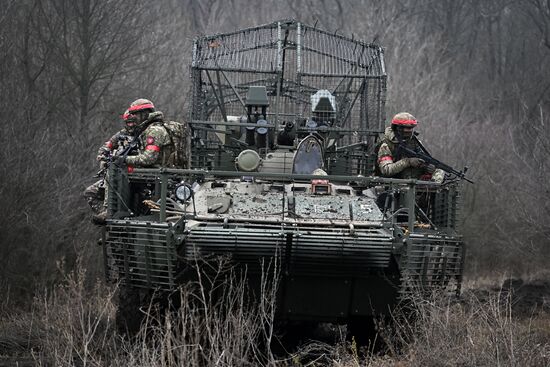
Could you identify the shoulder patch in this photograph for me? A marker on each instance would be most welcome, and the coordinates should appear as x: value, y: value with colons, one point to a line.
x: 150, y: 140
x: 158, y: 132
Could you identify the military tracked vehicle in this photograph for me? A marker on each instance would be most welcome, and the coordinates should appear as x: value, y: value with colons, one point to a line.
x: 285, y: 119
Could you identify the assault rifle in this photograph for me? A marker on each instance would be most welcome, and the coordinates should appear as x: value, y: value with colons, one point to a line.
x: 133, y: 144
x: 107, y: 157
x: 423, y: 154
x: 139, y: 130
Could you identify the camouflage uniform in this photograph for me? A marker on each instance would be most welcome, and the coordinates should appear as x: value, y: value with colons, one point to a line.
x: 113, y: 144
x: 95, y: 194
x: 157, y: 145
x: 402, y: 168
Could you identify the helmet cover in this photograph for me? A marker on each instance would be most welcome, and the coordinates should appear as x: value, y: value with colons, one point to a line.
x: 404, y: 119
x: 140, y: 105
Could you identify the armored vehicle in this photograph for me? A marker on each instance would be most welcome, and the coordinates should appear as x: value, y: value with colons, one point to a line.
x: 285, y: 119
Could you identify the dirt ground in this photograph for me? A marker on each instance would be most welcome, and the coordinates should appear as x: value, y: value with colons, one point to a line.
x: 529, y: 295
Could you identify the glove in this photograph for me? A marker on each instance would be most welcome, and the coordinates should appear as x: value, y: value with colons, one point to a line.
x: 438, y: 176
x: 416, y: 162
x: 430, y: 168
x: 119, y: 161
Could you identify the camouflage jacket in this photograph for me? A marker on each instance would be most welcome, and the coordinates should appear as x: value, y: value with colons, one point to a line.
x: 113, y: 144
x: 156, y: 145
x: 397, y: 167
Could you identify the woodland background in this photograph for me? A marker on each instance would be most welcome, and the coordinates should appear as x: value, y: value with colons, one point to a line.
x: 475, y: 73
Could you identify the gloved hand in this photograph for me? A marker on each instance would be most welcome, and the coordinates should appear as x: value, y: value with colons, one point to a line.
x: 415, y: 162
x: 438, y: 176
x: 430, y: 168
x: 119, y: 161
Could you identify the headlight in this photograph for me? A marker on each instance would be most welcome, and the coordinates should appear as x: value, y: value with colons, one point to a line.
x: 183, y: 192
x: 248, y: 161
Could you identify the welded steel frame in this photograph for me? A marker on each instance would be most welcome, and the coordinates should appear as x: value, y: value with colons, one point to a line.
x: 292, y: 60
x: 432, y: 259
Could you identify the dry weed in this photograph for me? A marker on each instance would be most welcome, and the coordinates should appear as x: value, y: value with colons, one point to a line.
x: 475, y: 332
x: 217, y: 322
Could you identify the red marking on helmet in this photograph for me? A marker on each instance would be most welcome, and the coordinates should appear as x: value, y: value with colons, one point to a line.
x: 404, y: 122
x: 140, y: 107
x: 130, y: 169
x: 155, y: 148
x: 109, y: 145
x: 125, y: 116
x: 385, y: 158
x: 150, y: 140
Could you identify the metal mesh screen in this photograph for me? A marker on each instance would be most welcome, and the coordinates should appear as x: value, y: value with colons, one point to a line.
x: 253, y: 49
x: 325, y: 53
x: 293, y: 61
x: 433, y: 262
x: 141, y: 254
x: 446, y: 208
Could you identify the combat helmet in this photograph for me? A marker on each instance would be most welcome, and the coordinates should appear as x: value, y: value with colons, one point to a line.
x: 141, y: 108
x: 403, y: 119
x: 141, y: 104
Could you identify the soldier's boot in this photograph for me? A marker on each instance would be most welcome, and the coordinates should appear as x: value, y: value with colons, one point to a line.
x: 100, y: 218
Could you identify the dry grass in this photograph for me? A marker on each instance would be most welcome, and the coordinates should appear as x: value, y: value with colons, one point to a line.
x: 478, y: 331
x: 68, y: 324
x: 217, y: 325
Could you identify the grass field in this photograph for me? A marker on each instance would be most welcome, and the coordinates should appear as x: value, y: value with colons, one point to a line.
x: 496, y: 322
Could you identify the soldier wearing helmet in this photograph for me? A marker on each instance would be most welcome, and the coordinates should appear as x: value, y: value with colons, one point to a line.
x: 118, y: 139
x: 95, y: 194
x: 156, y: 144
x: 391, y: 165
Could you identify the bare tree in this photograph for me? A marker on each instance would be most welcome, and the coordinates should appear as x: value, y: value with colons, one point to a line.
x: 539, y: 12
x: 92, y: 43
x: 474, y: 73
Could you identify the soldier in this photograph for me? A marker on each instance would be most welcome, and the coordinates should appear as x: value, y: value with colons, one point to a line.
x: 160, y: 143
x: 156, y: 142
x: 95, y: 194
x: 391, y: 165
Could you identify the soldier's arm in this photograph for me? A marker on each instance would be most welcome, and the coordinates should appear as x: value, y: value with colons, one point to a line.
x: 154, y: 141
x: 108, y: 146
x: 146, y: 158
x: 388, y: 167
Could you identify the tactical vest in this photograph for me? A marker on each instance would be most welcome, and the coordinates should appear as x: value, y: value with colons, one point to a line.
x: 409, y: 172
